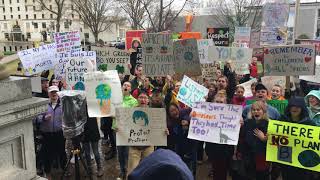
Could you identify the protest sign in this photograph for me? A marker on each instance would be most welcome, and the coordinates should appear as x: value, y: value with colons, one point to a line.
x: 157, y: 52
x: 241, y: 68
x: 135, y: 59
x: 316, y: 77
x: 280, y: 105
x: 186, y: 57
x: 275, y: 14
x: 110, y: 58
x: 242, y: 35
x: 191, y: 92
x: 133, y: 39
x: 104, y: 94
x: 209, y: 71
x: 255, y: 39
x: 289, y: 60
x: 77, y: 66
x: 235, y: 54
x: 294, y: 145
x: 141, y: 127
x: 216, y: 123
x: 190, y: 35
x: 247, y: 87
x: 203, y: 47
x: 273, y: 36
x: 314, y: 42
x: 39, y: 59
x: 62, y: 58
x: 220, y: 36
x: 67, y: 41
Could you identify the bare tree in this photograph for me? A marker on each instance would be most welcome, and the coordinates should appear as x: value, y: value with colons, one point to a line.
x: 135, y: 11
x: 57, y: 10
x: 96, y: 15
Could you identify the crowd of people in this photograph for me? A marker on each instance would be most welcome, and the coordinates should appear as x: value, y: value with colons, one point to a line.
x: 247, y: 160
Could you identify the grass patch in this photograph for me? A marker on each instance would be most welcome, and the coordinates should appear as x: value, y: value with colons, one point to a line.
x: 12, y: 66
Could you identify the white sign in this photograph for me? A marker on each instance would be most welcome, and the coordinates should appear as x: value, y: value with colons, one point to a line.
x: 203, y: 48
x: 103, y: 93
x: 141, y: 127
x: 289, y: 60
x: 39, y: 59
x: 242, y: 35
x: 67, y: 41
x: 157, y: 52
x: 76, y: 67
x: 235, y: 54
x: 216, y: 123
x: 247, y: 87
x: 316, y: 77
x: 110, y: 58
x: 191, y: 92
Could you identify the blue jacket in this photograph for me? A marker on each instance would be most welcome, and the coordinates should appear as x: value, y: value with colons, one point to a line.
x: 272, y: 112
x: 55, y: 123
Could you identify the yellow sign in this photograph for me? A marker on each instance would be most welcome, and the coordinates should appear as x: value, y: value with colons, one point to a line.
x: 294, y: 145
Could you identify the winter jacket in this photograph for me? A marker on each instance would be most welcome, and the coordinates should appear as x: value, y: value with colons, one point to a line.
x: 273, y: 113
x: 55, y: 123
x: 91, y: 131
x: 314, y: 112
x: 238, y: 101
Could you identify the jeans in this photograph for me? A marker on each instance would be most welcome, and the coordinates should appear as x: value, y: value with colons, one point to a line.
x: 123, y: 152
x: 136, y: 155
x: 95, y: 149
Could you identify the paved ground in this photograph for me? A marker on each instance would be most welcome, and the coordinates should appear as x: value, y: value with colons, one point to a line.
x: 8, y: 59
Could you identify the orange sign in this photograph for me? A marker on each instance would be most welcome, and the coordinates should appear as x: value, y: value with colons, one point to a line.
x: 190, y: 35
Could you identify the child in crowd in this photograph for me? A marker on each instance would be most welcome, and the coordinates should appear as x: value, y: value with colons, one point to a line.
x: 313, y: 103
x: 238, y: 98
x: 276, y: 93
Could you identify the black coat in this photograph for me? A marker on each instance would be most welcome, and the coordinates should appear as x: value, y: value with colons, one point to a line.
x: 91, y: 132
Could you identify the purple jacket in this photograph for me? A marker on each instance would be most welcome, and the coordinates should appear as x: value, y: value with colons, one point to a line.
x: 55, y: 123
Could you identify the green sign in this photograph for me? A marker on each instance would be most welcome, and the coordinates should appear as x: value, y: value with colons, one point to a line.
x: 280, y: 105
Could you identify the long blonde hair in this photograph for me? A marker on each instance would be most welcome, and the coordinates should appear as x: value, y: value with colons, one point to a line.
x: 259, y: 105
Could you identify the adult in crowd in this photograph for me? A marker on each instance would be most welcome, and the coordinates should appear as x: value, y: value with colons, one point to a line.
x: 138, y: 79
x: 158, y: 82
x: 53, y: 147
x: 171, y: 92
x: 44, y: 88
x: 261, y: 94
x: 145, y: 86
x: 253, y: 67
x: 313, y: 102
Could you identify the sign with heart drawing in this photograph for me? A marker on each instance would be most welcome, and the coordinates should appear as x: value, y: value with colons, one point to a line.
x: 289, y: 60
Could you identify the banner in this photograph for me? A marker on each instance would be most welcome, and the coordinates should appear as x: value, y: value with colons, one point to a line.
x: 191, y: 92
x: 280, y: 105
x: 316, y: 77
x: 39, y: 59
x: 242, y: 35
x: 141, y: 127
x: 203, y: 48
x: 220, y: 36
x: 104, y: 94
x: 289, y: 60
x: 133, y: 39
x: 186, y: 57
x: 235, y: 54
x: 76, y: 67
x: 110, y: 58
x: 216, y: 123
x: 67, y: 41
x: 294, y: 145
x: 157, y: 52
x: 247, y: 87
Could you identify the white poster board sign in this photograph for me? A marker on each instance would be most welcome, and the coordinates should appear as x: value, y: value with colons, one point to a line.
x: 235, y: 54
x: 247, y: 87
x: 191, y: 92
x: 215, y: 123
x: 289, y: 60
x: 103, y: 93
x: 157, y: 52
x: 39, y: 59
x: 67, y: 41
x: 141, y: 127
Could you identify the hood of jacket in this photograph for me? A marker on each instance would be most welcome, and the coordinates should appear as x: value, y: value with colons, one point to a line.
x: 315, y: 93
x: 298, y: 102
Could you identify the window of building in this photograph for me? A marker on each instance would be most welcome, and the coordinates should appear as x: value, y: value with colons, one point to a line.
x: 6, y: 35
x: 10, y: 9
x: 28, y: 35
x: 2, y: 1
x: 42, y: 16
x: 19, y: 17
x: 4, y: 17
x: 34, y: 8
x: 5, y: 26
x: 50, y: 7
x: 35, y: 25
x: 318, y: 13
x: 26, y: 8
x: 72, y: 7
x: 17, y: 1
x: 72, y: 15
x: 34, y: 16
x: 27, y: 17
x: 44, y: 25
x: 51, y: 16
x: 25, y: 1
x: 9, y: 2
x: 86, y: 35
x: 18, y: 8
x: 28, y: 25
x: 4, y: 10
x: 33, y: 1
x: 66, y: 24
x: 11, y: 16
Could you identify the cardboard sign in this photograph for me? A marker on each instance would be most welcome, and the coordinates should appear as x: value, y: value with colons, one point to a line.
x: 109, y: 58
x: 39, y: 59
x: 275, y: 14
x: 157, y: 51
x: 133, y: 39
x: 242, y: 35
x: 247, y: 87
x: 220, y: 36
x: 104, y: 93
x: 203, y: 47
x: 186, y: 57
x: 216, y: 123
x: 67, y: 41
x: 209, y: 71
x: 76, y: 67
x: 141, y: 127
x: 235, y: 54
x: 289, y: 60
x: 316, y: 77
x: 272, y: 36
x: 191, y: 92
x: 294, y: 145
